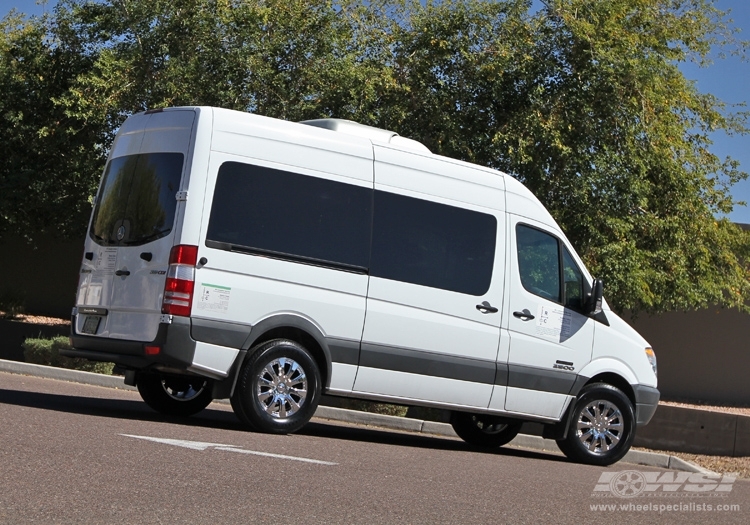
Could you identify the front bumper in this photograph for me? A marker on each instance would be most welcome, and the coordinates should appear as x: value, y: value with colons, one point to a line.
x: 646, y: 402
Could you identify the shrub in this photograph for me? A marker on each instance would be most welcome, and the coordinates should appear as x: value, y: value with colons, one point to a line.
x: 47, y: 352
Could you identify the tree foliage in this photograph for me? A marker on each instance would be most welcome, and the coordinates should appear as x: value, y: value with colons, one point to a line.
x: 51, y: 159
x: 582, y: 101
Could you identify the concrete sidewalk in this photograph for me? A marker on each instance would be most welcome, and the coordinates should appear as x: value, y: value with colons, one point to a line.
x: 360, y: 418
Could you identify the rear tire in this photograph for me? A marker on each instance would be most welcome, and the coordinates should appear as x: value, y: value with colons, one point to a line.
x: 602, y: 426
x: 483, y: 430
x: 278, y: 389
x: 174, y: 395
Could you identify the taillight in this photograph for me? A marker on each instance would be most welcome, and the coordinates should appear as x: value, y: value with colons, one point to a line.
x: 178, y: 290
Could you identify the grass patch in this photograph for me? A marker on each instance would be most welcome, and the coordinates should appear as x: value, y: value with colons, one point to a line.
x: 42, y: 351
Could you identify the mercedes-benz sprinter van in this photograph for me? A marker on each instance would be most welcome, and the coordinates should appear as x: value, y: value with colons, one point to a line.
x: 231, y: 255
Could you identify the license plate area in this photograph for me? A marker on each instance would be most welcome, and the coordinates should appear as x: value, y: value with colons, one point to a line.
x: 91, y: 324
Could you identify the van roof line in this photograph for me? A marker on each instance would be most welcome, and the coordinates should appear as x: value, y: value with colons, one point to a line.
x: 370, y: 132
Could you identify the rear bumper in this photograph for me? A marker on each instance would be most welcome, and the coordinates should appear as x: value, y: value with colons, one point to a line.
x: 176, y: 347
x: 646, y: 402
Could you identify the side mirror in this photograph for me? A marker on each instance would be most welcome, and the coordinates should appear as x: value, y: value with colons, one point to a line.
x: 594, y: 302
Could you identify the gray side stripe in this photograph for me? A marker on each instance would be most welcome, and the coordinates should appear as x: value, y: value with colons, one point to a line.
x: 343, y: 351
x: 220, y: 333
x: 428, y: 364
x: 554, y: 381
x: 454, y: 367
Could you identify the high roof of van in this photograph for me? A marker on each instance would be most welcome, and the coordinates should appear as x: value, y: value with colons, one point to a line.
x: 357, y: 139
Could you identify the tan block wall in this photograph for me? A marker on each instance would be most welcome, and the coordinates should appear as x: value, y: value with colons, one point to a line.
x: 703, y: 356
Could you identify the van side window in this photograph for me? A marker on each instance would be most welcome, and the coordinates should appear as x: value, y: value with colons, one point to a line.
x: 539, y: 262
x: 432, y: 244
x: 280, y: 213
x: 574, y: 292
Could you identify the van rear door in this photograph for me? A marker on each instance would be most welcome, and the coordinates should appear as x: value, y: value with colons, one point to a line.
x: 133, y: 226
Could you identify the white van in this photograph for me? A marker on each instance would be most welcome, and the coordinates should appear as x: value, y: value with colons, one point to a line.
x: 236, y: 256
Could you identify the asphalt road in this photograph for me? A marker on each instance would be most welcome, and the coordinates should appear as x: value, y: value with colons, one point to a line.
x: 72, y: 453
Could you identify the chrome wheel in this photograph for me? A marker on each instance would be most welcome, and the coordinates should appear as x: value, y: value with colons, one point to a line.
x: 484, y: 430
x: 278, y: 388
x: 281, y: 388
x: 175, y: 395
x: 489, y: 427
x: 181, y: 390
x: 600, y: 426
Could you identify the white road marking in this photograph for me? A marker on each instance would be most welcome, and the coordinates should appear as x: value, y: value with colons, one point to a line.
x: 199, y: 445
x: 194, y: 445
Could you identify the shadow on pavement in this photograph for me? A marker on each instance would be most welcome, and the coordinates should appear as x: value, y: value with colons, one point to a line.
x: 226, y: 420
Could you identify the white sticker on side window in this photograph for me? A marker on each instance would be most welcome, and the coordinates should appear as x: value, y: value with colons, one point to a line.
x: 213, y: 298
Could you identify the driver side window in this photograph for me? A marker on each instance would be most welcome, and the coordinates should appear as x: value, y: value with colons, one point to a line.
x: 574, y: 292
x: 539, y: 262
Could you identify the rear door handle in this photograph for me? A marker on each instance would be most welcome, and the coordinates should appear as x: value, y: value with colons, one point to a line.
x: 486, y: 308
x: 525, y: 315
x: 121, y: 273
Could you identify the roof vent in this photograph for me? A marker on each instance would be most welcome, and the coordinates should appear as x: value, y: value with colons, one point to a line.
x: 369, y: 132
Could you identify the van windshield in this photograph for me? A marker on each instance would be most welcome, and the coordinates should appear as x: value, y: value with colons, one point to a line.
x: 136, y: 203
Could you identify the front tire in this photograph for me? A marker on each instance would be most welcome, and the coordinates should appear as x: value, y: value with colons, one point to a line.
x: 602, y: 426
x: 484, y: 430
x: 174, y: 395
x: 278, y: 389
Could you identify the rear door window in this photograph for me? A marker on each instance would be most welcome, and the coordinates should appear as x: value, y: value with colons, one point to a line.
x: 137, y: 200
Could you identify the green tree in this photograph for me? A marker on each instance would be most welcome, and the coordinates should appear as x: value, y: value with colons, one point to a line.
x: 51, y: 160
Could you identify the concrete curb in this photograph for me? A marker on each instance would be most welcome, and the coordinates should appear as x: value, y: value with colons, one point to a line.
x: 63, y: 374
x: 536, y: 443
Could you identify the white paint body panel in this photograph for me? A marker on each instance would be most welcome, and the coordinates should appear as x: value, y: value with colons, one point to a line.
x: 431, y: 321
x: 619, y: 347
x: 213, y: 359
x: 536, y: 403
x: 342, y: 376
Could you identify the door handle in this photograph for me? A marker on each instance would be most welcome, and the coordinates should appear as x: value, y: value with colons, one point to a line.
x: 486, y: 308
x: 122, y: 273
x: 525, y: 315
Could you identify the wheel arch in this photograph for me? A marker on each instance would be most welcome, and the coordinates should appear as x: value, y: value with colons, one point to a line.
x: 610, y: 371
x: 298, y: 329
x: 617, y: 381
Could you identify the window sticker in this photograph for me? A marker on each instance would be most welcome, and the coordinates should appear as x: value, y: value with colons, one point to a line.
x: 554, y: 322
x: 106, y: 261
x: 214, y: 298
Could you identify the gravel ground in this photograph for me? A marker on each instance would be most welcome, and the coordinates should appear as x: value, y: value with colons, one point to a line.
x: 739, y: 467
x: 740, y: 411
x: 36, y: 319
